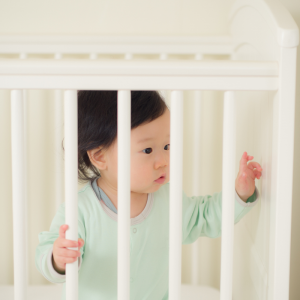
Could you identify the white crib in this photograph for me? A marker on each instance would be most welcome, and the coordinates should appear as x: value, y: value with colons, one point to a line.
x: 261, y: 65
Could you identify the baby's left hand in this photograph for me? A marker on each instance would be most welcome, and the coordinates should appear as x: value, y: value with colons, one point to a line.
x: 245, y: 181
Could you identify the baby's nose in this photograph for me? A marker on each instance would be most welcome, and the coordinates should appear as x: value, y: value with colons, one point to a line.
x: 162, y: 161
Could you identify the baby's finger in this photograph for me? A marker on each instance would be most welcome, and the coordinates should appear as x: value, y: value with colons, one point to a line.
x: 68, y: 253
x: 257, y: 173
x: 244, y: 160
x: 254, y: 165
x: 62, y: 230
x: 80, y: 243
x: 68, y: 243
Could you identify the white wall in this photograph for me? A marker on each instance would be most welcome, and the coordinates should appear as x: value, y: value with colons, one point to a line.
x: 129, y: 18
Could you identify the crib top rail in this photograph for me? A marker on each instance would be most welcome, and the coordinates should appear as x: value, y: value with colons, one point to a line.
x: 139, y: 74
x: 116, y: 44
x: 140, y: 67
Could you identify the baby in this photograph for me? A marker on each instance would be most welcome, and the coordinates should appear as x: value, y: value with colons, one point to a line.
x: 149, y: 185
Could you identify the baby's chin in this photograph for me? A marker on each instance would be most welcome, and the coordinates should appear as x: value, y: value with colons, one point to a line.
x: 151, y: 189
x: 156, y: 187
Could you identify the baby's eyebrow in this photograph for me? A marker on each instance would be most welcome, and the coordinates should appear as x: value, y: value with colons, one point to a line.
x: 148, y: 139
x: 145, y: 140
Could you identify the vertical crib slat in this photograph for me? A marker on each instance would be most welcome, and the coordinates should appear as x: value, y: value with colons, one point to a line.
x: 228, y: 194
x: 196, y: 178
x: 71, y: 187
x: 18, y: 191
x: 124, y: 130
x: 58, y: 121
x: 176, y: 169
x: 280, y: 256
x: 196, y: 173
x: 163, y: 56
x: 25, y: 178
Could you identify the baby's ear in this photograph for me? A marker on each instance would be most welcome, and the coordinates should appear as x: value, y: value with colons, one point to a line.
x: 97, y: 158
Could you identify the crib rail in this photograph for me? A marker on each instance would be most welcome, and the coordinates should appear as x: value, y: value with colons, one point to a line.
x: 95, y: 45
x: 142, y: 75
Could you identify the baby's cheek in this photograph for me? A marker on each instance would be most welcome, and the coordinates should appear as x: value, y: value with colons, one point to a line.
x: 139, y: 173
x: 136, y: 169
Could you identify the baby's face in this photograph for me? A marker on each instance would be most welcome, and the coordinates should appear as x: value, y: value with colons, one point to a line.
x: 150, y: 155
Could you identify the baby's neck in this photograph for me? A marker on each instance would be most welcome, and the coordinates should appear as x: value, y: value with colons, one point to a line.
x: 137, y: 203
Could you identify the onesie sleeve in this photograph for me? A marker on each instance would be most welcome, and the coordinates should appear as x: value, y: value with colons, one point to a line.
x: 202, y: 215
x: 44, y: 250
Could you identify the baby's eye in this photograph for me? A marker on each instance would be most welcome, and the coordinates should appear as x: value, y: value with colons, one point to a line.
x: 147, y: 150
x: 167, y: 147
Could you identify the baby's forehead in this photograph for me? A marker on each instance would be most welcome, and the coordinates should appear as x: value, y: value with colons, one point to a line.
x: 157, y: 129
x: 143, y: 134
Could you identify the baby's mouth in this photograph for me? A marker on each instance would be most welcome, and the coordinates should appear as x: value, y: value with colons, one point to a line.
x: 161, y: 178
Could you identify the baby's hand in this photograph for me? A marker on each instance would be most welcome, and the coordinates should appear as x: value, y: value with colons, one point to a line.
x: 245, y: 181
x: 61, y: 255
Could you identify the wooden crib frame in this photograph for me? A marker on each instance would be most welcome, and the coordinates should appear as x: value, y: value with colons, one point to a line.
x: 263, y: 60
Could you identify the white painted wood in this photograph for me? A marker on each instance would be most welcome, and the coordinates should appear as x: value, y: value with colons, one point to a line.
x: 176, y: 167
x: 164, y: 94
x: 228, y: 195
x: 71, y: 182
x: 124, y: 195
x: 196, y: 178
x: 116, y: 44
x: 185, y: 82
x: 142, y: 67
x: 277, y: 17
x: 215, y: 75
x: 25, y: 178
x: 285, y: 160
x: 58, y: 138
x: 273, y: 194
x: 18, y: 194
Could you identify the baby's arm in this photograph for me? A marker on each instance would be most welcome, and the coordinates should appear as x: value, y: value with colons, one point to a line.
x: 44, y: 251
x: 202, y: 215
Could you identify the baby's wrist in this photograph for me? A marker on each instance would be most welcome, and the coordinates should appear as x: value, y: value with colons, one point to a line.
x: 243, y: 197
x: 58, y: 270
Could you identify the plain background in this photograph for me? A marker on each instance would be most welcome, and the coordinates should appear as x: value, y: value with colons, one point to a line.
x: 114, y: 17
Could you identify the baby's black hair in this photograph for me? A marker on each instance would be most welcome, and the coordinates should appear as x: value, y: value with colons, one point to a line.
x: 97, y: 122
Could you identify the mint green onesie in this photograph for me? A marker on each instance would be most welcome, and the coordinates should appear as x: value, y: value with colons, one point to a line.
x: 149, y: 242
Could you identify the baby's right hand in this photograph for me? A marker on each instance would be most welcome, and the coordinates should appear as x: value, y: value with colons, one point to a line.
x: 61, y: 255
